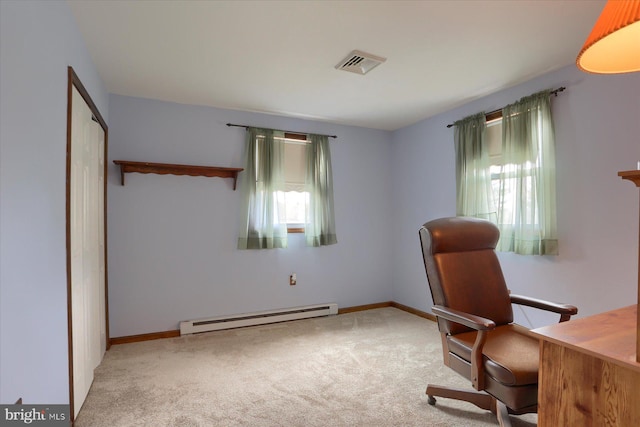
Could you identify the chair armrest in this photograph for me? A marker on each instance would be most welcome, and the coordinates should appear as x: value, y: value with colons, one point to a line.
x: 480, y: 324
x: 564, y: 310
x: 469, y: 320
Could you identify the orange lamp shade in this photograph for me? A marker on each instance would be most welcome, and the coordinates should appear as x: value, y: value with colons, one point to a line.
x: 614, y: 43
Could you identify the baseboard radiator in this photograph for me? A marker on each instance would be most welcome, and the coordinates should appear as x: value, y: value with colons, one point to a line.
x: 257, y: 318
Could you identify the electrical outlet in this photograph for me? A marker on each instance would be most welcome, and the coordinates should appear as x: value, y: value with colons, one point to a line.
x: 292, y: 279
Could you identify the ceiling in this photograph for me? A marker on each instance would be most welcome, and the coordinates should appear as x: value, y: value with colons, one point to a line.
x: 278, y: 57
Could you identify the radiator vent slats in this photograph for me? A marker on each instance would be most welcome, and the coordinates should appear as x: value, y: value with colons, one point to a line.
x: 259, y: 318
x: 360, y: 62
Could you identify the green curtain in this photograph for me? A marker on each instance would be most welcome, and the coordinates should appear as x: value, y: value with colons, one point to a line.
x: 320, y: 226
x: 263, y: 223
x: 528, y: 177
x: 473, y: 177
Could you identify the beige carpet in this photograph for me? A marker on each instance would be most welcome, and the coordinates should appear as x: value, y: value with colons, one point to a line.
x: 368, y: 368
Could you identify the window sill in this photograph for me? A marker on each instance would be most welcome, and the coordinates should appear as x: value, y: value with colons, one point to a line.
x: 291, y: 230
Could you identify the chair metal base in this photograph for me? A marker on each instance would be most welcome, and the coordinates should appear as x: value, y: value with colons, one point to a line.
x: 478, y: 398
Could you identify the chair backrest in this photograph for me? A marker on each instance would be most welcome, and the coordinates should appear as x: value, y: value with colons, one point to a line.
x: 463, y: 270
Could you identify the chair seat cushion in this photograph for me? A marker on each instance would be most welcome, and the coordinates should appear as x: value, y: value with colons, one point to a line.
x: 511, y: 354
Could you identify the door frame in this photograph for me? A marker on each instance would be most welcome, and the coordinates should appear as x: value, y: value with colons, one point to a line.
x: 74, y: 81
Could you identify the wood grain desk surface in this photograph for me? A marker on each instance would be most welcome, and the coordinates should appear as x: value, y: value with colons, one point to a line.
x: 610, y: 336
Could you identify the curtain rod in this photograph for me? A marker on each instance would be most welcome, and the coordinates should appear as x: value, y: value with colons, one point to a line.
x: 288, y: 131
x: 494, y: 112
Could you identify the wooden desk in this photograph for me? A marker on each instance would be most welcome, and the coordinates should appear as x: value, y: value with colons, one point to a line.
x: 589, y: 375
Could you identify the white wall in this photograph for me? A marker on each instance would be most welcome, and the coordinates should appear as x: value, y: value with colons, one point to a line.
x: 597, y: 122
x: 172, y: 239
x: 38, y: 40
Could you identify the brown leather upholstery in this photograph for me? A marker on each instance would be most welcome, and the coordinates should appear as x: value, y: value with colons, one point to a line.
x: 463, y: 270
x: 465, y: 279
x: 510, y: 355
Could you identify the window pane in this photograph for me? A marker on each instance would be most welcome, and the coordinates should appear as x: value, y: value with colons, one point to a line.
x: 295, y: 210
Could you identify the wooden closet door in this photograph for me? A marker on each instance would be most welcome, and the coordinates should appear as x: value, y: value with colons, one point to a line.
x: 87, y: 247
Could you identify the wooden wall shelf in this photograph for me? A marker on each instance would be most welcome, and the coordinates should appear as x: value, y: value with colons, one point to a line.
x: 631, y: 176
x: 171, y: 169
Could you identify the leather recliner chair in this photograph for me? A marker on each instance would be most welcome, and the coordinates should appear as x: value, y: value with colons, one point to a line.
x: 474, y: 312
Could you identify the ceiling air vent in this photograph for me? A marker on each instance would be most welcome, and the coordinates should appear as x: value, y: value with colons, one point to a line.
x: 360, y: 62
